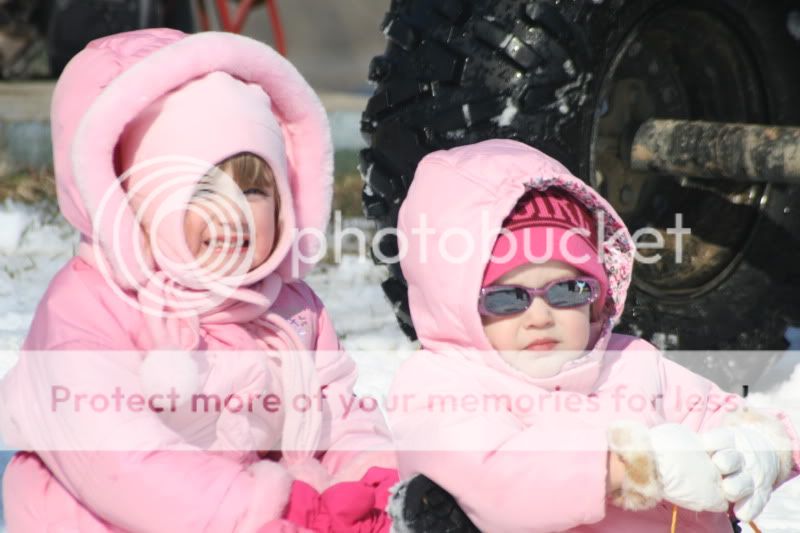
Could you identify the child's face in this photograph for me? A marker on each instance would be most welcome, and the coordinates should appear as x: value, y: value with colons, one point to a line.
x: 213, y: 212
x: 541, y: 339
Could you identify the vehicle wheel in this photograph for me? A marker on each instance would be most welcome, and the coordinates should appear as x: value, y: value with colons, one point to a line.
x: 576, y: 79
x: 72, y: 24
x: 22, y: 54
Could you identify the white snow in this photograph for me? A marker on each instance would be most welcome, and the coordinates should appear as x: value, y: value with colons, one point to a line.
x: 364, y: 320
x: 569, y: 68
x: 793, y: 24
x: 467, y: 114
x: 14, y: 223
x: 507, y: 116
x: 562, y: 93
x: 35, y: 244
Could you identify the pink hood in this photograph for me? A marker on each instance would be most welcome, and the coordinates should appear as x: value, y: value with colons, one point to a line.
x: 107, y: 87
x: 179, y: 470
x: 489, y: 178
x: 115, y: 78
x: 460, y: 413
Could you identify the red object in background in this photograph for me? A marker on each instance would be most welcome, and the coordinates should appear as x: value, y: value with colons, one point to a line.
x: 235, y: 24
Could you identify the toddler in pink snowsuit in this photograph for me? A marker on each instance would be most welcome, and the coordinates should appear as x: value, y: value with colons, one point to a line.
x: 522, y: 404
x: 197, y: 169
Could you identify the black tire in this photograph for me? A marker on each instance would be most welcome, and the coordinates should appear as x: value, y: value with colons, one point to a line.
x: 72, y: 24
x: 453, y: 67
x: 178, y: 14
x: 21, y: 46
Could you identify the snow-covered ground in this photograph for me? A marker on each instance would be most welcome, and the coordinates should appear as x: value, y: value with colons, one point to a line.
x: 35, y: 243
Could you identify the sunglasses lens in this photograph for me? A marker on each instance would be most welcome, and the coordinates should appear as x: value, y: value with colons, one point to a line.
x: 570, y: 293
x: 509, y: 301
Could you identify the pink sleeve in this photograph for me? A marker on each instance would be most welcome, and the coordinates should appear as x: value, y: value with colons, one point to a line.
x: 358, y: 436
x: 505, y: 475
x: 143, y: 476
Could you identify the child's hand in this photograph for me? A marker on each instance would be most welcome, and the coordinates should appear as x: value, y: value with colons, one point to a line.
x: 750, y: 467
x: 667, y: 462
x: 356, y: 506
x: 360, y: 506
x: 688, y: 476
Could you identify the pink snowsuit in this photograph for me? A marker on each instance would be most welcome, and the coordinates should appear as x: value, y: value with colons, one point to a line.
x: 138, y: 470
x: 518, y: 453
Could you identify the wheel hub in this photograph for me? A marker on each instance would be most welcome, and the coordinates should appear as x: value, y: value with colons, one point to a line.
x: 681, y: 63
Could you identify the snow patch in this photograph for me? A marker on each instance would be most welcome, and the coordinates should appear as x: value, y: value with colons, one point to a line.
x: 13, y: 221
x: 793, y: 24
x: 38, y: 243
x: 467, y: 114
x: 566, y: 94
x: 793, y: 337
x: 366, y: 175
x: 8, y: 358
x: 455, y: 135
x: 395, y: 508
x: 505, y: 118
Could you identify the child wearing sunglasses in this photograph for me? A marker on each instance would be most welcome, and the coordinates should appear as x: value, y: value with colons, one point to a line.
x: 524, y: 411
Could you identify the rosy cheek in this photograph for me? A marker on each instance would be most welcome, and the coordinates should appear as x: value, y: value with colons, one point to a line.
x: 499, y: 332
x: 191, y: 240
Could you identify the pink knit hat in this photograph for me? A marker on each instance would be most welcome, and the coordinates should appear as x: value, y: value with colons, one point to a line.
x: 548, y: 225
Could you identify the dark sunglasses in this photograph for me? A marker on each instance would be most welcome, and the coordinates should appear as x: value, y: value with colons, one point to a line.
x: 505, y: 300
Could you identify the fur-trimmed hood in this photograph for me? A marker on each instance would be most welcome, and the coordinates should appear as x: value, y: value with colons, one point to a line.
x: 115, y: 78
x: 470, y: 191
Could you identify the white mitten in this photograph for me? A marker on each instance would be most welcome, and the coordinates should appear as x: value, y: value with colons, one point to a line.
x: 749, y: 466
x: 753, y: 454
x: 667, y: 462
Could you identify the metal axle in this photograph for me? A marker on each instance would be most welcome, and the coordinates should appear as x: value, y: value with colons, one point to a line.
x: 714, y: 150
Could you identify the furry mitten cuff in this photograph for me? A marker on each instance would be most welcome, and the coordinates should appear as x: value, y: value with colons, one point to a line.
x: 666, y: 462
